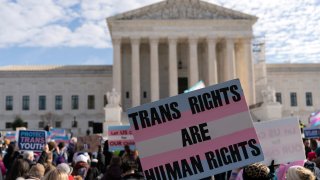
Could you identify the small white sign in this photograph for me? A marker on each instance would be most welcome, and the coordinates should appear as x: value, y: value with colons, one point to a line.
x: 281, y: 140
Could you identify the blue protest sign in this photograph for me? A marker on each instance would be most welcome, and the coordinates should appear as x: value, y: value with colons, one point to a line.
x: 32, y: 140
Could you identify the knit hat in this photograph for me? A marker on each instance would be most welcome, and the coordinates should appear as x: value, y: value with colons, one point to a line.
x: 312, y: 155
x: 81, y: 158
x: 256, y: 171
x: 299, y: 172
x: 65, y: 167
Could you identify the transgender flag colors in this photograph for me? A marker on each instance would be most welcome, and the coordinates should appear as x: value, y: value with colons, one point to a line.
x: 315, y: 119
x: 196, y: 134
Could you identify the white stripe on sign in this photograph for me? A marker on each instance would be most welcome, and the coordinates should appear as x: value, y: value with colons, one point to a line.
x: 216, y: 129
x: 126, y: 137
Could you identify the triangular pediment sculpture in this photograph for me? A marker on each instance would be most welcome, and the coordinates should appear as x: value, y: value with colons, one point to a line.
x: 182, y: 9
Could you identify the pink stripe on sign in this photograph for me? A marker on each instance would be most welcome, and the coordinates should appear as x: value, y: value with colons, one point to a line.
x: 190, y: 119
x: 198, y: 149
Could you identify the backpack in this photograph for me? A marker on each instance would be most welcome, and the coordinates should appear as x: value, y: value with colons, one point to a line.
x: 61, y: 159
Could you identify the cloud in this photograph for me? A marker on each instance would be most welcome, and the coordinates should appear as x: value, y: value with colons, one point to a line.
x: 290, y: 28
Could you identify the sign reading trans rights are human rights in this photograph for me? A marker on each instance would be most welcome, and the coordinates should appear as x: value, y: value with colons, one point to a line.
x: 195, y: 135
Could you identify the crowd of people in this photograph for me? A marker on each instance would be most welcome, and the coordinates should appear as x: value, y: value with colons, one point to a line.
x: 58, y: 161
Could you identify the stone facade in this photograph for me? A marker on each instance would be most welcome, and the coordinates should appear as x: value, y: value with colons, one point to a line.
x: 301, y: 79
x: 160, y: 47
x: 52, y: 81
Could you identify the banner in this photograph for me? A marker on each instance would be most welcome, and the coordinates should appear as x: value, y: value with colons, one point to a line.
x: 31, y: 140
x: 89, y: 143
x: 281, y: 140
x: 59, y: 139
x: 10, y: 135
x: 119, y: 136
x: 57, y: 132
x: 311, y: 132
x: 196, y: 134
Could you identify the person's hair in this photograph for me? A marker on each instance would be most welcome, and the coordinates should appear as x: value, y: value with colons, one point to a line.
x: 37, y: 171
x: 115, y: 161
x: 256, y: 171
x: 299, y: 173
x: 10, y: 149
x: 313, y: 144
x: 317, y: 161
x: 51, y: 145
x: 19, y: 168
x: 27, y: 154
x: 56, y: 174
x: 61, y: 145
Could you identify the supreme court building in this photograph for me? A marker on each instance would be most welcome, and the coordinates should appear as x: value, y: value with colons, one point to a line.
x: 162, y: 49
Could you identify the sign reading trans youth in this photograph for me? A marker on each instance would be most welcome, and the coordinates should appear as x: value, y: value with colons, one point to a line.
x: 31, y: 140
x: 196, y: 134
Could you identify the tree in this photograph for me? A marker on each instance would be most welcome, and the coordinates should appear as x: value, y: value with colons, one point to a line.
x: 18, y: 122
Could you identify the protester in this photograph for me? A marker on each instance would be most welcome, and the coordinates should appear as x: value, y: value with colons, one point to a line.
x: 101, y: 160
x: 313, y: 144
x: 29, y: 157
x: 62, y: 156
x: 19, y: 168
x: 2, y: 167
x: 306, y: 143
x: 81, y: 166
x: 71, y: 149
x: 10, y: 156
x: 129, y: 160
x: 114, y: 170
x: 93, y: 171
x: 48, y: 163
x: 107, y: 154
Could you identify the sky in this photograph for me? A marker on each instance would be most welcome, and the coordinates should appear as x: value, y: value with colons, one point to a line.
x: 70, y: 32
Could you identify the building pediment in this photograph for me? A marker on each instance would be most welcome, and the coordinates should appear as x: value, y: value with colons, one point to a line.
x: 182, y: 9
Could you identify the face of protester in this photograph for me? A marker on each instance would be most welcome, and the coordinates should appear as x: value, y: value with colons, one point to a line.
x: 306, y: 143
x: 46, y: 148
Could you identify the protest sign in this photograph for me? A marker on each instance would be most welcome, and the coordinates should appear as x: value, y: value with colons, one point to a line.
x: 31, y: 140
x: 58, y: 139
x: 311, y: 132
x: 10, y: 135
x: 281, y: 140
x: 196, y: 134
x: 119, y: 136
x: 89, y: 143
x: 57, y: 132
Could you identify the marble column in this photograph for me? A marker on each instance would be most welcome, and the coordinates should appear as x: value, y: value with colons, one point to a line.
x: 116, y: 69
x: 154, y: 69
x: 247, y: 55
x: 173, y: 67
x: 229, y: 65
x: 212, y: 69
x: 193, y: 61
x: 135, y: 70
